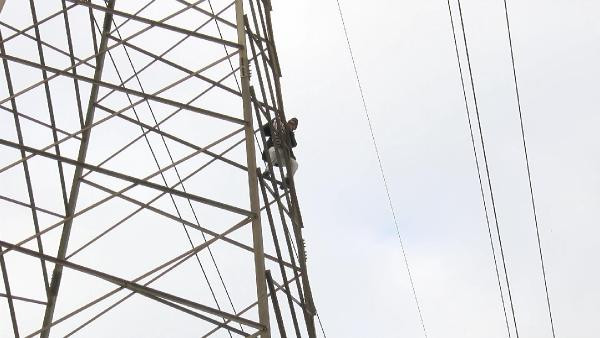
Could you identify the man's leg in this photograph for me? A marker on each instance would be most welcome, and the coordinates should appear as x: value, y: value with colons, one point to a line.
x: 293, y: 165
x: 273, y: 156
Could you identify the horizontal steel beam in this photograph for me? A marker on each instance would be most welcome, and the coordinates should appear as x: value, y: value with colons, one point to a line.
x: 174, y: 262
x: 195, y: 314
x: 175, y: 65
x: 124, y: 90
x: 157, y: 23
x: 8, y: 199
x: 36, y: 121
x: 171, y: 137
x: 47, y: 45
x: 182, y: 258
x: 292, y: 296
x: 48, y: 18
x: 133, y: 286
x: 131, y: 179
x: 249, y: 307
x: 23, y: 299
x: 105, y: 199
x: 170, y: 16
x: 187, y: 223
x: 255, y: 334
x: 155, y: 198
x: 213, y: 16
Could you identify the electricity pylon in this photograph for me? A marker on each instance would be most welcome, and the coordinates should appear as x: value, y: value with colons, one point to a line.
x: 131, y: 200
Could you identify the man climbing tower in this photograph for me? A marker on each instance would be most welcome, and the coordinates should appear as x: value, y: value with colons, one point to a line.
x: 274, y: 149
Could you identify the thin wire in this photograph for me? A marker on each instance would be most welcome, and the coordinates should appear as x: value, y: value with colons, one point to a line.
x: 537, y: 229
x: 487, y: 169
x: 295, y: 252
x: 212, y: 11
x: 485, y: 208
x: 163, y: 177
x: 255, y: 137
x: 321, y: 325
x: 387, y: 190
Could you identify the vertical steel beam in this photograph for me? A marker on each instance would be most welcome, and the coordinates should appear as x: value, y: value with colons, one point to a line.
x: 259, y: 258
x: 72, y: 58
x: 277, y: 98
x: 26, y: 171
x: 31, y: 198
x: 276, y: 305
x: 309, y: 311
x: 85, y: 138
x: 38, y: 38
x: 9, y: 297
x: 279, y: 256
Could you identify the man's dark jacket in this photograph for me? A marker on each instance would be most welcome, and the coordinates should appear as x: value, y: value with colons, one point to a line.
x: 289, y: 141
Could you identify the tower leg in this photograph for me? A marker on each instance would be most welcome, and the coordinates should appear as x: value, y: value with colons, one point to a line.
x: 89, y: 119
x: 259, y: 258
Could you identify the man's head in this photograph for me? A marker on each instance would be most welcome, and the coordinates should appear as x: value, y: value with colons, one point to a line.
x: 292, y: 123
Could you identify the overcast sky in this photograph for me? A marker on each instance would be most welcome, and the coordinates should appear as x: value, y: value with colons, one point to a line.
x: 407, y: 64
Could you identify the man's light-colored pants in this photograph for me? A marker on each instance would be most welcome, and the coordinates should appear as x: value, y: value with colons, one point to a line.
x: 274, y: 153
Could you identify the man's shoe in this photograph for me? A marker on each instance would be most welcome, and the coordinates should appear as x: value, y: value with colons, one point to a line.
x: 267, y: 175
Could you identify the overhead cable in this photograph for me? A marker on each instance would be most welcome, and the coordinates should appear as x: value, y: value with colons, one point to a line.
x: 487, y: 169
x: 478, y: 167
x: 535, y: 218
x: 376, y: 148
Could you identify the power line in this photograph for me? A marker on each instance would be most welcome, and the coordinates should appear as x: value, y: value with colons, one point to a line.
x: 537, y: 229
x: 387, y: 190
x: 321, y: 325
x: 237, y: 82
x: 489, y: 181
x: 177, y: 174
x: 487, y: 218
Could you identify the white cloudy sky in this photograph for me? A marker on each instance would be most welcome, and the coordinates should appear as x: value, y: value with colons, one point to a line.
x: 407, y: 64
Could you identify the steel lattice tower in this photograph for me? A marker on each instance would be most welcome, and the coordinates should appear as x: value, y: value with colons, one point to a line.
x: 130, y: 200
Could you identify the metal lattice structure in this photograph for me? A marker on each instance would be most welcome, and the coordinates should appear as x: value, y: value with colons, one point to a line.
x: 131, y: 204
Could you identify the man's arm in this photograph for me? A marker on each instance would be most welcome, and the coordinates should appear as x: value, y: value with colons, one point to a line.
x: 293, y: 142
x: 267, y: 130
